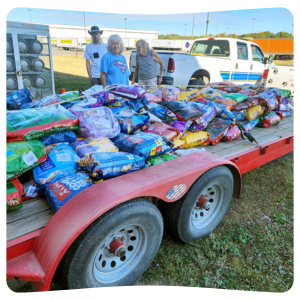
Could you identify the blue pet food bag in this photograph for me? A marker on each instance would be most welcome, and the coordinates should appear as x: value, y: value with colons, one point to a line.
x: 61, y: 162
x: 59, y: 137
x: 143, y: 144
x: 60, y: 192
x: 118, y: 163
x: 16, y: 99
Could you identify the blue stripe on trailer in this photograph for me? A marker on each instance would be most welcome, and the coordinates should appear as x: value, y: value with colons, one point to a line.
x: 225, y: 75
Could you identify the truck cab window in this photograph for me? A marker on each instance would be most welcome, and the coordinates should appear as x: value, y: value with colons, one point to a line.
x: 242, y: 51
x: 257, y: 55
x: 211, y: 48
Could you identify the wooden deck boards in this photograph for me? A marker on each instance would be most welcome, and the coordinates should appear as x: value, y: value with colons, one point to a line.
x: 35, y: 213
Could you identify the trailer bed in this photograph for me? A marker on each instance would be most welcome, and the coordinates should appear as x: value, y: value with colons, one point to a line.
x: 36, y: 212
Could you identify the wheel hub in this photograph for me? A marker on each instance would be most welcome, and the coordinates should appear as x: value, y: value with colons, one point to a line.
x: 117, y: 247
x: 203, y: 203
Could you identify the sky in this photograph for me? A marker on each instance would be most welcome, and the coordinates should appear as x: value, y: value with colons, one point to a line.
x: 235, y: 21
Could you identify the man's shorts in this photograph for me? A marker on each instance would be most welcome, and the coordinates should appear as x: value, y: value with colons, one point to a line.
x: 148, y: 83
x: 95, y: 81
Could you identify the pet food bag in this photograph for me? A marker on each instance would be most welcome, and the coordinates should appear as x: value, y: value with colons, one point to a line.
x: 252, y: 101
x: 184, y: 152
x: 211, y: 111
x: 281, y: 92
x: 163, y: 130
x: 193, y: 139
x: 52, y: 99
x: 129, y: 120
x: 69, y: 95
x: 107, y: 97
x: 84, y: 147
x: 232, y: 133
x: 247, y: 92
x: 59, y: 137
x: 128, y: 91
x: 182, y: 126
x: 14, y: 191
x: 118, y: 163
x: 23, y: 156
x: 249, y: 125
x: 159, y: 113
x: 254, y: 112
x: 238, y: 97
x: 16, y: 99
x: 152, y: 98
x: 60, y: 192
x: 88, y: 102
x: 170, y: 93
x: 35, y: 123
x: 271, y: 100
x: 217, y: 129
x: 187, y: 96
x: 184, y: 111
x: 269, y: 119
x: 240, y: 115
x: 136, y: 105
x: 226, y: 114
x: 284, y: 114
x: 157, y: 91
x: 143, y: 144
x: 178, y: 143
x: 160, y: 159
x: 96, y: 123
x: 61, y: 162
x: 227, y: 103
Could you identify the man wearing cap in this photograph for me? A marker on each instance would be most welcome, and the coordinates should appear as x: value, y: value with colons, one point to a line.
x: 93, y: 54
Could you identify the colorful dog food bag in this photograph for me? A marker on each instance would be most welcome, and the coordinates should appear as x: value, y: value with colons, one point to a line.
x: 84, y: 147
x: 232, y: 133
x: 170, y: 93
x: 96, y: 123
x: 60, y: 192
x: 143, y: 144
x: 129, y: 120
x: 182, y: 126
x: 16, y: 99
x: 118, y: 163
x: 163, y: 129
x: 284, y: 114
x: 254, y: 112
x: 59, y: 137
x: 240, y: 115
x: 161, y: 159
x: 128, y: 91
x: 238, y: 97
x: 14, y: 191
x: 211, y: 111
x: 61, y: 162
x: 136, y: 105
x: 217, y: 129
x: 35, y: 123
x: 52, y: 99
x: 269, y: 119
x: 187, y: 96
x: 252, y: 101
x: 271, y: 100
x: 159, y: 113
x: 249, y: 125
x: 68, y: 95
x: 193, y: 139
x: 23, y: 156
x: 152, y: 98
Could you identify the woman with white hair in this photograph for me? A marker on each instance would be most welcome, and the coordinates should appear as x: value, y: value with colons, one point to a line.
x: 114, y: 69
x: 145, y: 68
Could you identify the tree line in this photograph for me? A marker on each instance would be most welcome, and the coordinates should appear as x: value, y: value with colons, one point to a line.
x: 259, y: 35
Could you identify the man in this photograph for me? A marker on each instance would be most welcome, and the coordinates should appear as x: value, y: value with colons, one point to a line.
x: 93, y: 54
x: 146, y: 62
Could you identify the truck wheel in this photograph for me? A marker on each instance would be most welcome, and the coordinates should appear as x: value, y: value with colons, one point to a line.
x: 195, y: 83
x: 116, y: 249
x: 203, y: 207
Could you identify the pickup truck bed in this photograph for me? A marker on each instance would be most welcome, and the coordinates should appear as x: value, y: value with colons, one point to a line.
x: 35, y: 213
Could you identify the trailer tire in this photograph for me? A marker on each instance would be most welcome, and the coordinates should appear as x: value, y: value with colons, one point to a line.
x: 198, y: 82
x: 189, y: 222
x: 88, y: 263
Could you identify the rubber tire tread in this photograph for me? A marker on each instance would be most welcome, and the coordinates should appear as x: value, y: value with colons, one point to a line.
x: 195, y: 82
x: 68, y: 268
x: 173, y: 212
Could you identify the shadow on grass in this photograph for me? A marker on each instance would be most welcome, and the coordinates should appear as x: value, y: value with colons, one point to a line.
x: 70, y: 82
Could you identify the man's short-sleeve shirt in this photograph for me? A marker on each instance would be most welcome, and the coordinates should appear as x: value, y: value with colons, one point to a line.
x: 95, y: 53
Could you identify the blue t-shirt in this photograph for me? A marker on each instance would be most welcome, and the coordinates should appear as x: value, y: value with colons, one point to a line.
x: 115, y: 68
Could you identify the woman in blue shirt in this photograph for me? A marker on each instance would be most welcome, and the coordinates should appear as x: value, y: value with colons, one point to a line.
x: 114, y: 69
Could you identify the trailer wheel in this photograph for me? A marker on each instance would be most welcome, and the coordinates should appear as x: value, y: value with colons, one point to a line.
x: 195, y: 83
x: 203, y: 207
x: 116, y: 249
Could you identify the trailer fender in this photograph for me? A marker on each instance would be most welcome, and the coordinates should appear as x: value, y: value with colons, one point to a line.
x: 70, y: 220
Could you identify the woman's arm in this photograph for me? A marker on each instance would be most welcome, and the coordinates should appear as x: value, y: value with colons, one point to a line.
x: 103, y: 79
x: 157, y: 58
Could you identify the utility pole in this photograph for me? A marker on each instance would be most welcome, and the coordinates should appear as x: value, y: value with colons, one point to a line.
x: 29, y: 14
x: 253, y: 24
x: 84, y: 25
x: 193, y: 25
x: 125, y: 26
x: 185, y: 29
x: 207, y: 21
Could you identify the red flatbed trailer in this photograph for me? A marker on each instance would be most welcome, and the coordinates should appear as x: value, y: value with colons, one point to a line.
x: 38, y: 241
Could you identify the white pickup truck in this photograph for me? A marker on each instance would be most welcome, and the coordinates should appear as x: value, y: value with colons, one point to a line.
x: 212, y: 60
